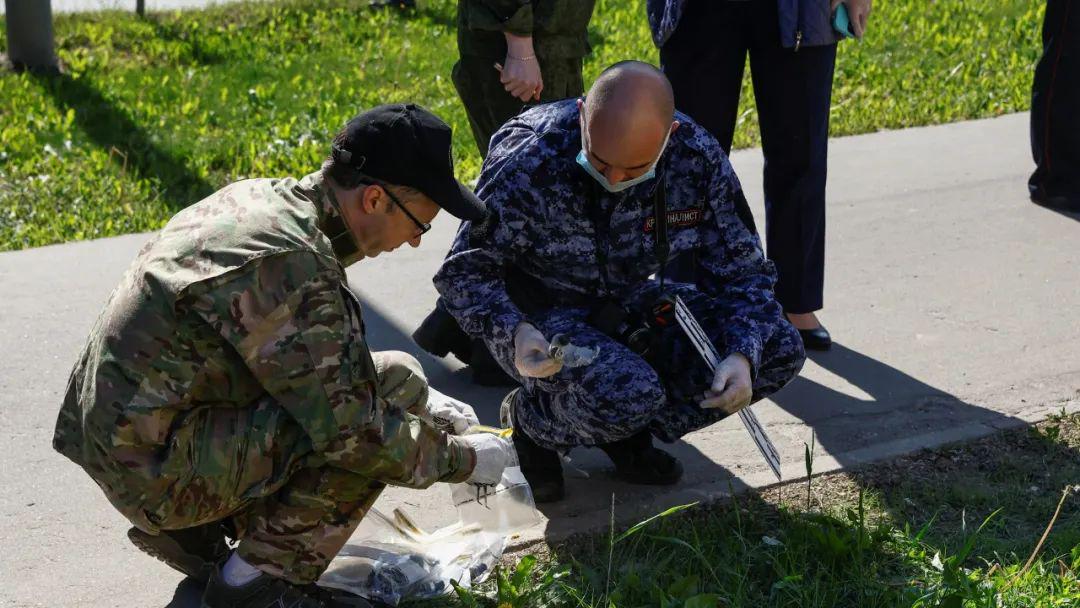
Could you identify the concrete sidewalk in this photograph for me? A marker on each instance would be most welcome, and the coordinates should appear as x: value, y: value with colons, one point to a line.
x: 952, y: 298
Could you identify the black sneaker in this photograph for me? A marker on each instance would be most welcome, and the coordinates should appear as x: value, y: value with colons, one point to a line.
x: 398, y: 4
x: 192, y: 551
x: 1054, y: 200
x: 440, y: 335
x: 541, y: 467
x: 264, y: 592
x: 637, y: 461
x: 485, y: 371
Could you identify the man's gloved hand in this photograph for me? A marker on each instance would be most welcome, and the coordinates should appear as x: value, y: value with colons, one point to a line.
x: 731, y: 388
x: 531, y: 353
x: 449, y: 414
x: 493, y: 454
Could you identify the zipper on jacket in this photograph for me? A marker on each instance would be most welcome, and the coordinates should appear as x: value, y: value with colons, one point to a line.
x: 798, y: 40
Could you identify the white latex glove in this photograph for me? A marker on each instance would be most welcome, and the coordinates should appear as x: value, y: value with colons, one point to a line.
x: 731, y: 388
x: 493, y: 454
x: 531, y: 356
x: 449, y: 414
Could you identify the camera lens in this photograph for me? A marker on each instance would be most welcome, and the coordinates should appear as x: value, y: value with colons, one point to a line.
x: 638, y: 341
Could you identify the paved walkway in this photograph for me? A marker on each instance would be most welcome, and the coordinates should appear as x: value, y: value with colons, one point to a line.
x: 952, y: 298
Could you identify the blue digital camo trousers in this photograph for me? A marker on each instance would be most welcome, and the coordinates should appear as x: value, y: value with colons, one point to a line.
x: 620, y: 394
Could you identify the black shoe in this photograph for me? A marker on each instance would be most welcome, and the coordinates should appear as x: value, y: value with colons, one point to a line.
x: 192, y: 551
x: 1057, y: 202
x: 485, y: 371
x: 541, y: 467
x: 399, y: 4
x: 637, y: 461
x: 265, y: 592
x: 816, y: 339
x: 440, y: 335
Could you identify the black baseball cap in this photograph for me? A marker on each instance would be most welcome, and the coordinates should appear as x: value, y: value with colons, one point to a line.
x: 405, y: 145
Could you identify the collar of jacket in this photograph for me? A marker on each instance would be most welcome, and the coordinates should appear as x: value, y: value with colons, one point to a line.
x: 331, y: 221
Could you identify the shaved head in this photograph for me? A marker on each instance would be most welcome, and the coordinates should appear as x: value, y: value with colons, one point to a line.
x: 627, y: 115
x: 630, y: 89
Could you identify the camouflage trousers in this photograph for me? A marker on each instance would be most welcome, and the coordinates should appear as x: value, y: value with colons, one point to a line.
x: 489, y: 106
x: 254, y: 465
x: 620, y: 393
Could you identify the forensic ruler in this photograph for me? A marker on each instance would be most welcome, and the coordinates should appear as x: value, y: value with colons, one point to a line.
x: 708, y: 352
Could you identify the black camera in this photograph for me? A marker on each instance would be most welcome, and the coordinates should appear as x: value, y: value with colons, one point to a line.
x: 637, y: 330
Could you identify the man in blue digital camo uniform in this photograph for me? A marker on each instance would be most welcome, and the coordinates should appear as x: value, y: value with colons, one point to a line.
x: 573, y: 190
x: 539, y: 46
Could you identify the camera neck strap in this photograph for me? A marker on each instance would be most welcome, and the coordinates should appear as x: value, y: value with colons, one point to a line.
x: 661, y: 246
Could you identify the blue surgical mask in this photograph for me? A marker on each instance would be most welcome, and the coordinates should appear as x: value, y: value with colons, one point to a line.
x: 583, y: 160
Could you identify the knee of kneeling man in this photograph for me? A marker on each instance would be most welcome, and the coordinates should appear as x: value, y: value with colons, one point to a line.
x: 781, y: 362
x: 640, y: 399
x: 401, y: 379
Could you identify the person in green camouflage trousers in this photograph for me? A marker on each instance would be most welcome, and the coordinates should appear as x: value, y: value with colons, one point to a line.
x: 228, y: 384
x: 539, y: 45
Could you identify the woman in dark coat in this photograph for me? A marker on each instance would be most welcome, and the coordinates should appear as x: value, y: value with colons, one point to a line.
x: 792, y: 48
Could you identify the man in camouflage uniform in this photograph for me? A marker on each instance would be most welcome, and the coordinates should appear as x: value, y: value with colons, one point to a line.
x: 228, y: 384
x: 539, y: 44
x: 570, y: 243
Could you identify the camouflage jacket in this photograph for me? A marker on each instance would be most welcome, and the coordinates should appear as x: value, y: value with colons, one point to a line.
x: 558, y: 27
x: 551, y: 221
x: 239, y: 297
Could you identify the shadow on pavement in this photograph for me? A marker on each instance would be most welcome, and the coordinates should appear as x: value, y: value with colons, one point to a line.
x: 1074, y: 215
x: 897, y: 406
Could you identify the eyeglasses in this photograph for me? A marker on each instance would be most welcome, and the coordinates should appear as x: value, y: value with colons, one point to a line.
x: 423, y: 227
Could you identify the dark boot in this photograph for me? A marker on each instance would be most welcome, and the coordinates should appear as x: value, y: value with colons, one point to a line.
x: 264, y: 592
x: 440, y: 335
x: 637, y: 461
x: 398, y: 4
x: 541, y: 467
x: 485, y: 371
x: 192, y: 551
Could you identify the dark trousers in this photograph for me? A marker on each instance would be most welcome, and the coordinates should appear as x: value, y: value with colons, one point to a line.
x: 704, y: 59
x: 489, y: 106
x: 1055, y: 104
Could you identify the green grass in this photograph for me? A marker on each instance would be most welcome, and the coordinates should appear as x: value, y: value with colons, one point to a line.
x: 154, y: 113
x: 951, y: 528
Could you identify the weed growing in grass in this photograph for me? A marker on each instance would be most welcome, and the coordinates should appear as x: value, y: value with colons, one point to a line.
x: 855, y: 549
x: 521, y: 588
x: 809, y: 465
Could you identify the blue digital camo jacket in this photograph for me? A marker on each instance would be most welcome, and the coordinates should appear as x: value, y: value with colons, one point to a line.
x: 549, y: 220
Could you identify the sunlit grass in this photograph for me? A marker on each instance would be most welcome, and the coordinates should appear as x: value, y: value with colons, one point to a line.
x: 155, y: 113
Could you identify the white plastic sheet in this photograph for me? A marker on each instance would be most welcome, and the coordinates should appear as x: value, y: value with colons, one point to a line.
x: 391, y: 558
